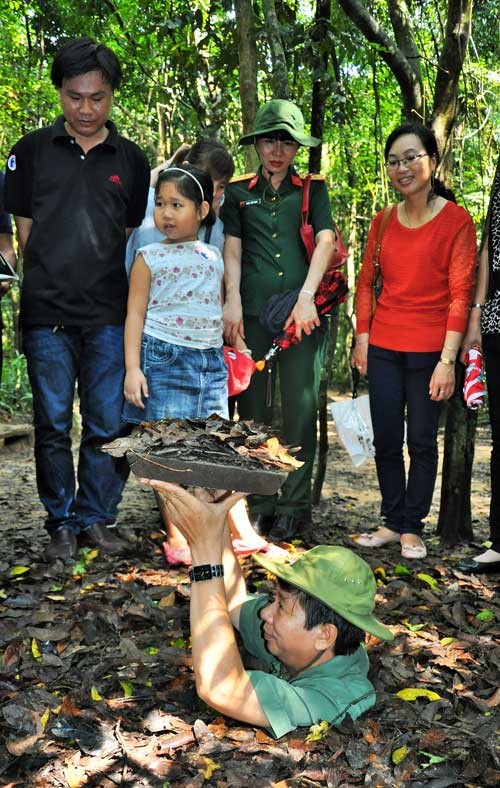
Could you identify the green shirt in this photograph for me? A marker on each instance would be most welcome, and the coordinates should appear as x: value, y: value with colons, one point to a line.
x: 268, y: 222
x: 327, y: 692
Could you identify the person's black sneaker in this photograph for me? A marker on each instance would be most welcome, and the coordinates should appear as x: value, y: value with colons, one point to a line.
x: 101, y: 537
x: 470, y: 566
x: 63, y: 545
x: 262, y: 523
x: 287, y: 526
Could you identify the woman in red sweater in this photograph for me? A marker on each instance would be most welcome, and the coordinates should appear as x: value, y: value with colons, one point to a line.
x: 409, y: 348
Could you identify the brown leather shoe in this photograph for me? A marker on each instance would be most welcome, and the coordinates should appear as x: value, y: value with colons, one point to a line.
x: 63, y: 545
x: 101, y: 537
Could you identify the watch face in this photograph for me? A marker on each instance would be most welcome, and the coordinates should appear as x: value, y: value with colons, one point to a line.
x: 206, y: 572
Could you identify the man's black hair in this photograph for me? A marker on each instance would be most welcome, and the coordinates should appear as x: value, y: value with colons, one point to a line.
x: 81, y: 55
x: 349, y: 637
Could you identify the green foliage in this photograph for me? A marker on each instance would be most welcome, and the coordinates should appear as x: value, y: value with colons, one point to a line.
x: 15, y: 392
x: 181, y: 74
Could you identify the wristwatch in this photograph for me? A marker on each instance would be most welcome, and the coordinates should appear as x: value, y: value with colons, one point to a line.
x: 205, y: 572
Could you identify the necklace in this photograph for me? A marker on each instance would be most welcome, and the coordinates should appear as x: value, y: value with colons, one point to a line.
x: 270, y: 195
x: 429, y: 208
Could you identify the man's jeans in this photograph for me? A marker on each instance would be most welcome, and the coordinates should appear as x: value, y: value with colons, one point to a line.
x: 58, y: 358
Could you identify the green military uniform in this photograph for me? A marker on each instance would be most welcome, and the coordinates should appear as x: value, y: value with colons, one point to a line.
x: 274, y: 260
x: 328, y: 692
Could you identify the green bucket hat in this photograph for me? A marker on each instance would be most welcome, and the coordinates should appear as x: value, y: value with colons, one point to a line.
x: 338, y: 577
x: 280, y: 115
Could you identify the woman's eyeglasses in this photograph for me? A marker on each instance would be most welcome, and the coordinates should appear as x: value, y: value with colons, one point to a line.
x: 408, y: 161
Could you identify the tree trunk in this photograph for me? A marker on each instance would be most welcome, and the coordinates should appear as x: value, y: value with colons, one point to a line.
x: 455, y: 524
x: 458, y: 27
x: 411, y: 89
x: 319, y: 91
x: 247, y: 54
x: 326, y: 379
x: 278, y: 59
x: 455, y: 517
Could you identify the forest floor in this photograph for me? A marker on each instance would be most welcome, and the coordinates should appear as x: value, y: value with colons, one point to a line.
x: 96, y: 687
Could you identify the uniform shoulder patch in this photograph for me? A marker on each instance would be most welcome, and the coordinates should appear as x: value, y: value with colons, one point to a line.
x: 246, y: 177
x: 316, y: 176
x: 11, y: 162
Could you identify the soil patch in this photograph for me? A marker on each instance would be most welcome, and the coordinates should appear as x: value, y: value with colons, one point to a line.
x: 96, y: 687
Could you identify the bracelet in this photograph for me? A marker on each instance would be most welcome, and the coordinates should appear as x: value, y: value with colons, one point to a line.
x: 308, y: 292
x: 476, y: 306
x: 448, y: 362
x: 205, y: 572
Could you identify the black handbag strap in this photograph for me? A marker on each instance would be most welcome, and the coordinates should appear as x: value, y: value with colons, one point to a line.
x: 355, y: 381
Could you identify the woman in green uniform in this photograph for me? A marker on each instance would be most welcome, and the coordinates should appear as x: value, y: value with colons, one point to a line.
x: 264, y: 255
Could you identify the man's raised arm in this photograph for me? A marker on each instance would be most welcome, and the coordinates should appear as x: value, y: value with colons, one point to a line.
x: 221, y: 679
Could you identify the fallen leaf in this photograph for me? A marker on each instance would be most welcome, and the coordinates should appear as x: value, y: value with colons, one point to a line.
x: 75, y: 776
x: 485, y: 615
x: 431, y: 581
x: 19, y: 570
x: 94, y: 694
x: 21, y: 746
x: 45, y: 718
x: 128, y: 689
x: 318, y: 731
x: 412, y: 693
x: 35, y: 650
x: 399, y: 754
x: 210, y: 768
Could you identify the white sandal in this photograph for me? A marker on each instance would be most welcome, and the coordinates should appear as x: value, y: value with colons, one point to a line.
x: 376, y: 539
x: 413, y: 550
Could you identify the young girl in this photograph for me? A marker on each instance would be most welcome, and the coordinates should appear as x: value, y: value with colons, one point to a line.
x: 207, y: 155
x: 173, y: 332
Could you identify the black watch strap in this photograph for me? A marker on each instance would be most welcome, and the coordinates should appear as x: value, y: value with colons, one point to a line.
x: 205, y: 572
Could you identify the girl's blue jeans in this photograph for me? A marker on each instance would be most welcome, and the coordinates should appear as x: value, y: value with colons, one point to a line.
x: 91, y: 358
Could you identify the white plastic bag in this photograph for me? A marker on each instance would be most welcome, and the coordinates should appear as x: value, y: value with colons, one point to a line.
x: 354, y: 427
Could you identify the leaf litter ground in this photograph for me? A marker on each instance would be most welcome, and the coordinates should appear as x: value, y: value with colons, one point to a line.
x: 96, y: 686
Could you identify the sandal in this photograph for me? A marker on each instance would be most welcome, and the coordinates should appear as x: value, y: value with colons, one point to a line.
x: 177, y: 555
x: 413, y: 550
x: 376, y: 538
x: 244, y: 549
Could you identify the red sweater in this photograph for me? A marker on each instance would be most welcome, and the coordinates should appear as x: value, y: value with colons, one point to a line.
x: 428, y: 275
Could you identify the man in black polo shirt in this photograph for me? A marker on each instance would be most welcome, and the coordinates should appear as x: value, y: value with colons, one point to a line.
x: 76, y: 189
x: 8, y: 252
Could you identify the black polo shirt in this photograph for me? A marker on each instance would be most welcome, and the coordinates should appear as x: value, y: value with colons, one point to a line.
x: 80, y: 204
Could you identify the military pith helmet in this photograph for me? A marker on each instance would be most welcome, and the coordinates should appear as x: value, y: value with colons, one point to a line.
x: 280, y: 115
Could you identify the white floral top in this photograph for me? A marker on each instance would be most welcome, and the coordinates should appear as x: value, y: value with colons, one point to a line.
x: 184, y: 305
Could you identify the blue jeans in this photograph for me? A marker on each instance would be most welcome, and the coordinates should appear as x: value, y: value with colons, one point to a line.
x: 183, y: 382
x: 399, y: 382
x: 93, y: 358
